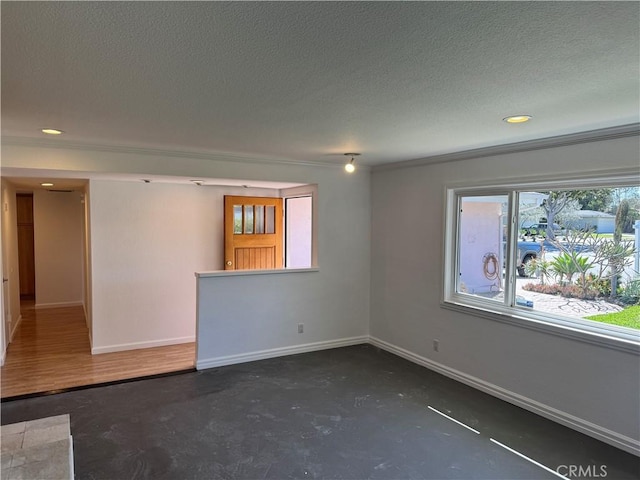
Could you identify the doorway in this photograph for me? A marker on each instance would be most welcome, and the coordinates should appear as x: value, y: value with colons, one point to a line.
x: 26, y: 247
x: 50, y: 349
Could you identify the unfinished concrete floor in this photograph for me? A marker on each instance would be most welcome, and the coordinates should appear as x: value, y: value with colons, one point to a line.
x: 349, y: 413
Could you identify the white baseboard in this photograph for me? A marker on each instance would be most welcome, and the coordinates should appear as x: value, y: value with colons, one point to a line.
x: 58, y: 305
x: 279, y: 352
x: 15, y: 328
x: 622, y: 442
x: 137, y: 345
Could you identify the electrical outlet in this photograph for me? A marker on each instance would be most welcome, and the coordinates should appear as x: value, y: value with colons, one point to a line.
x: 436, y: 345
x: 301, y: 328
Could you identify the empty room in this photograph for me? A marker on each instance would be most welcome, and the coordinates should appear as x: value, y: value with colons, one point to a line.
x: 320, y: 240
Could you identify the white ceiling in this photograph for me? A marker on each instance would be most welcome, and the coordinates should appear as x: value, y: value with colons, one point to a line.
x: 308, y: 81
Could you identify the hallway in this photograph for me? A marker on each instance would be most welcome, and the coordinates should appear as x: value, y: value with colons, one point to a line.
x: 51, y: 351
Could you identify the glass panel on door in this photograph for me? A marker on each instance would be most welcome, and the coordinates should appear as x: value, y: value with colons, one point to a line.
x: 237, y: 219
x: 270, y: 219
x: 259, y: 217
x: 248, y: 219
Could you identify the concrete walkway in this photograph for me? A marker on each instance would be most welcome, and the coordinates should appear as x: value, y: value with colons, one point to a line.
x: 570, y: 307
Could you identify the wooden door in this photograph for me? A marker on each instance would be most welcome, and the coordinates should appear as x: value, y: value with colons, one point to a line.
x: 252, y: 233
x: 26, y: 252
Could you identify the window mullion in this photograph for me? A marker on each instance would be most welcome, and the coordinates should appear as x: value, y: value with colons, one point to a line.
x: 511, y: 250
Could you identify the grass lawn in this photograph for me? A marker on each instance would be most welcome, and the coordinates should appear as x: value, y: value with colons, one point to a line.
x: 629, y: 317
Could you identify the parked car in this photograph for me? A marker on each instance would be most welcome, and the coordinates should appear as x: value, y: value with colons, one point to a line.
x: 527, y: 251
x: 541, y: 229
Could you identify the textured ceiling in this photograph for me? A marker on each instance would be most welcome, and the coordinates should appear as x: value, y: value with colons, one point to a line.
x: 311, y: 80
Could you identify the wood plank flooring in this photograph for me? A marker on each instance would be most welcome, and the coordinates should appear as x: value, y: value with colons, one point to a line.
x: 51, y: 351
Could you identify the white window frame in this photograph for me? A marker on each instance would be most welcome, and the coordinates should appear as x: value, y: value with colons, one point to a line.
x: 584, y: 330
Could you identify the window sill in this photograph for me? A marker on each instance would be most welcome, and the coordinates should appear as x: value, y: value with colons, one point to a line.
x: 236, y: 273
x: 628, y: 342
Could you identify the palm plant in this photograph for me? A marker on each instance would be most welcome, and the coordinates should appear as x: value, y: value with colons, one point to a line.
x: 564, y: 267
x: 539, y: 268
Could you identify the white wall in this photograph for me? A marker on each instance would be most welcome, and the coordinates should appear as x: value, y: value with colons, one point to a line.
x: 264, y: 322
x: 147, y: 242
x: 592, y: 386
x: 298, y: 232
x: 247, y: 317
x: 3, y: 345
x: 344, y: 220
x: 58, y: 239
x: 86, y: 252
x: 10, y: 254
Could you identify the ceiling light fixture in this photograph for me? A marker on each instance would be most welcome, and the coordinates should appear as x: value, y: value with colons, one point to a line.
x: 197, y: 182
x: 350, y: 167
x: 52, y: 131
x: 517, y: 118
x: 46, y: 184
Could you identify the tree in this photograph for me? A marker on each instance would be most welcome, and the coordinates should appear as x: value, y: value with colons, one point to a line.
x: 625, y: 218
x: 559, y: 204
x: 605, y: 258
x: 598, y: 200
x: 630, y: 194
x: 622, y: 216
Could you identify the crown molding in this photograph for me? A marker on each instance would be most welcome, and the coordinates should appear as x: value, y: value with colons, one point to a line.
x: 150, y: 151
x: 610, y: 133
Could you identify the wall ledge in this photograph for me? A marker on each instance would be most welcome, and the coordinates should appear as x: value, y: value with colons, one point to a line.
x: 598, y: 432
x: 239, y: 273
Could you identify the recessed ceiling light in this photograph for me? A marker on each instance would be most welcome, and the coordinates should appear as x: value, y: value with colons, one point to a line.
x: 47, y: 184
x: 52, y: 131
x: 517, y: 118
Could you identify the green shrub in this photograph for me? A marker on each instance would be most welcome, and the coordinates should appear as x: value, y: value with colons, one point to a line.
x: 630, y: 294
x: 601, y: 285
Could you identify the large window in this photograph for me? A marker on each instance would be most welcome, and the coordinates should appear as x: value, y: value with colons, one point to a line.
x: 551, y: 254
